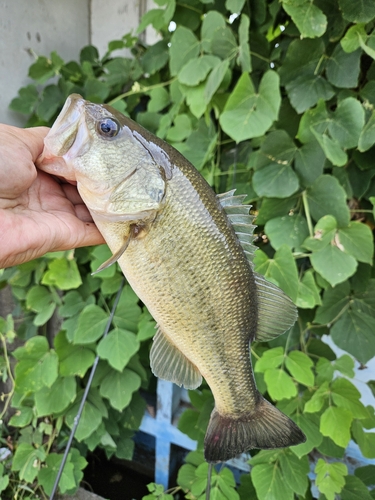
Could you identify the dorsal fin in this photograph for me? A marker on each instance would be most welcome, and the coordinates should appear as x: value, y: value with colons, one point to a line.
x: 241, y: 220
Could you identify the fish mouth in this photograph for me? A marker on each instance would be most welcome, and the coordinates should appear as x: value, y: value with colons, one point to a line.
x: 67, y: 139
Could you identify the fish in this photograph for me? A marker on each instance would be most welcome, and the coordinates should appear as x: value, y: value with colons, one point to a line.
x: 188, y: 254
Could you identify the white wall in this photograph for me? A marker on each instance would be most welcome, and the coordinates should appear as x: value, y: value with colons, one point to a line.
x: 36, y: 26
x: 30, y: 27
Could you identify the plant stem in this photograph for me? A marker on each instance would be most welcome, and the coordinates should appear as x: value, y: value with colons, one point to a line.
x: 9, y: 370
x: 307, y: 213
x: 138, y: 89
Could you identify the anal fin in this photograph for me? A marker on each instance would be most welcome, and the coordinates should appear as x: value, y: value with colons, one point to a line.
x: 169, y: 363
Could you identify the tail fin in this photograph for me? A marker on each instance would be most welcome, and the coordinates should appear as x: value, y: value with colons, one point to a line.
x: 266, y: 428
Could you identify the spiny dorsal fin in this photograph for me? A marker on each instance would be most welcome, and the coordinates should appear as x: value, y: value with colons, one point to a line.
x: 277, y: 313
x: 169, y: 363
x: 241, y: 220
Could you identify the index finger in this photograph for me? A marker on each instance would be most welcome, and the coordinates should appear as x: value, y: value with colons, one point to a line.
x: 19, y: 148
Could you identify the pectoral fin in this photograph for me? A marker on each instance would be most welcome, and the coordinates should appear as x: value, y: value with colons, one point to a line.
x: 115, y: 257
x: 168, y: 362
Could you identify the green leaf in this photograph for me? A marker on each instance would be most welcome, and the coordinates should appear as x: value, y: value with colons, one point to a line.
x: 330, y: 477
x: 272, y: 358
x: 348, y: 121
x: 365, y: 440
x: 73, y: 359
x: 154, y: 17
x: 146, y: 327
x: 358, y: 12
x: 333, y: 264
x: 27, y: 461
x: 180, y: 130
x: 288, y: 230
x: 215, y: 79
x: 73, y: 303
x: 306, y: 90
x: 351, y: 41
x: 309, y: 424
x: 128, y: 311
x: 345, y: 364
x: 354, y: 489
x: 275, y: 180
x: 274, y: 207
x: 119, y: 387
x: 196, y: 70
x: 309, y: 162
x: 299, y: 365
x: 159, y: 100
x: 38, y: 298
x: 234, y: 6
x: 366, y: 474
x: 118, y: 347
x: 212, y: 22
x: 269, y: 482
x: 248, y: 113
x: 37, y: 366
x: 327, y: 197
x: 47, y: 475
x: 308, y: 292
x: 195, y: 99
x: 223, y: 43
x: 302, y: 58
x: 184, y: 46
x: 367, y: 137
x: 331, y: 149
x: 334, y: 301
x: 133, y: 414
x: 96, y: 90
x: 335, y: 423
x: 313, y: 120
x: 22, y: 417
x: 309, y: 19
x: 90, y: 419
x: 318, y: 398
x: 56, y: 398
x: 26, y: 101
x: 91, y: 324
x: 4, y: 482
x: 357, y: 240
x: 279, y: 384
x: 343, y: 68
x: 346, y: 395
x: 281, y: 269
x: 51, y: 100
x: 354, y: 332
x: 243, y: 58
x: 295, y: 471
x: 62, y: 273
x: 155, y: 57
x: 42, y: 70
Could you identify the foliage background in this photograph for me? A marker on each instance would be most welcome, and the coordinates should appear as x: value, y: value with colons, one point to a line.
x: 277, y: 100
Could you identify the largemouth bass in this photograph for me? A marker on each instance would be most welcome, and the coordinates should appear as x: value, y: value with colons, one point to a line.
x: 187, y: 253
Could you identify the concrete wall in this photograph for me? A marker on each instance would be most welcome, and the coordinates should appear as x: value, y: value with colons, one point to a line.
x: 29, y: 27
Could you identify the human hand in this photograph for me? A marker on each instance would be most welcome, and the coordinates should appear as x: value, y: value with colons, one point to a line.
x: 37, y: 213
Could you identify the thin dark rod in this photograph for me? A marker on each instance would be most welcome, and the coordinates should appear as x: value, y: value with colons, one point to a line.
x: 85, y: 394
x: 209, y: 476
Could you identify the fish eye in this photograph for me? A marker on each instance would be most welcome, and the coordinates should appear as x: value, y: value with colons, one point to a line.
x: 108, y: 127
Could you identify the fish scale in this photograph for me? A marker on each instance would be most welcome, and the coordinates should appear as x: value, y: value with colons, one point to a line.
x: 188, y: 255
